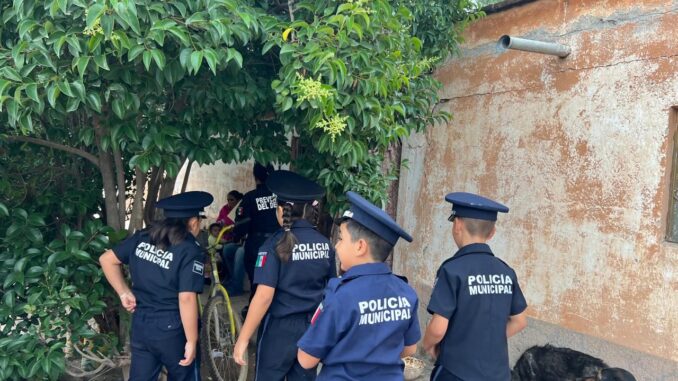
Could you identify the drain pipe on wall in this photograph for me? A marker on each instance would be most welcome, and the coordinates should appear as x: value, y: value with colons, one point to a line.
x: 508, y: 42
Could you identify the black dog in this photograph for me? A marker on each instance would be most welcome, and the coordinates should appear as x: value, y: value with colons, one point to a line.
x: 550, y: 363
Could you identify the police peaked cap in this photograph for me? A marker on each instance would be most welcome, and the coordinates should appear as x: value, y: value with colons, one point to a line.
x: 471, y: 205
x: 187, y: 204
x: 376, y: 220
x: 292, y: 187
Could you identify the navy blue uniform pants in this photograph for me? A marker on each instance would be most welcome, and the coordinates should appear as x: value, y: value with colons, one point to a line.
x: 157, y: 340
x: 441, y: 374
x: 277, y: 349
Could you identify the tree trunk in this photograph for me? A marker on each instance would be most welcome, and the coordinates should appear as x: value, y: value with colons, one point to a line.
x: 186, y: 176
x: 392, y: 159
x: 154, y: 180
x: 120, y: 184
x: 137, y: 215
x: 108, y: 178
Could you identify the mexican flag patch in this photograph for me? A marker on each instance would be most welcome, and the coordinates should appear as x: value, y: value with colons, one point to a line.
x: 261, y: 259
x: 317, y: 313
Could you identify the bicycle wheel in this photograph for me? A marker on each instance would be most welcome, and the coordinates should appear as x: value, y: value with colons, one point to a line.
x: 218, y: 340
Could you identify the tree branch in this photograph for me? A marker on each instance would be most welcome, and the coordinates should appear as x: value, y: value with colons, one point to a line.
x: 45, y: 143
x: 290, y: 5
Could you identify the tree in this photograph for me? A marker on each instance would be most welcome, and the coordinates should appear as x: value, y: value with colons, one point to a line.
x: 138, y: 87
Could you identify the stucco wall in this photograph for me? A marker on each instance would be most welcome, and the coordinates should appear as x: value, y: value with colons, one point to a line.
x: 578, y: 148
x: 218, y: 179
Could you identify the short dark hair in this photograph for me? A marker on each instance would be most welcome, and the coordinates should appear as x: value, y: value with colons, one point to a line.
x: 478, y: 228
x: 380, y: 249
x: 261, y: 172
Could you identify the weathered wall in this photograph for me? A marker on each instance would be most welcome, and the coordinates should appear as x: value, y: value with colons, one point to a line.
x: 218, y: 179
x: 578, y: 149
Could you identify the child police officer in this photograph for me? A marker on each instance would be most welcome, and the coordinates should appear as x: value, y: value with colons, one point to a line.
x: 476, y: 300
x: 292, y: 270
x: 368, y: 319
x: 166, y: 266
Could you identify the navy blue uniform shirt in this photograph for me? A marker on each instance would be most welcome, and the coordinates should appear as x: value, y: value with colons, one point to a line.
x: 477, y: 293
x: 158, y: 276
x: 256, y: 214
x: 300, y: 281
x: 366, y: 319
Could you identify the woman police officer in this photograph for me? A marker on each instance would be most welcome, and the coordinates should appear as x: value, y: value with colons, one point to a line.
x: 166, y: 267
x: 292, y: 270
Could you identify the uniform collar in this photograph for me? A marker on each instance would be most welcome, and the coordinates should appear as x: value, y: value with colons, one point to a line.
x: 480, y: 248
x: 378, y: 268
x: 302, y: 223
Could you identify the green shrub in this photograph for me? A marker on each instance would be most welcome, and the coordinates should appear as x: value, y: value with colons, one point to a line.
x: 51, y: 290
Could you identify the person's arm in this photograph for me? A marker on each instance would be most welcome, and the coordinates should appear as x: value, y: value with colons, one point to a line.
x: 409, y: 350
x: 188, y: 309
x: 258, y: 308
x: 516, y: 323
x: 242, y: 218
x: 435, y: 331
x: 111, y: 266
x: 305, y: 360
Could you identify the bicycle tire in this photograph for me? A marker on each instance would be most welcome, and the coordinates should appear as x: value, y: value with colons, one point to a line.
x: 217, y: 341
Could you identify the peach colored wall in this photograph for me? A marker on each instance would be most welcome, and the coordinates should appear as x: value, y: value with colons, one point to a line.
x: 578, y: 148
x: 218, y: 179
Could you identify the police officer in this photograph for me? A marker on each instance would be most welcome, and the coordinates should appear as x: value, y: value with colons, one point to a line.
x: 292, y: 270
x: 368, y: 319
x: 476, y: 301
x: 255, y: 220
x: 166, y: 266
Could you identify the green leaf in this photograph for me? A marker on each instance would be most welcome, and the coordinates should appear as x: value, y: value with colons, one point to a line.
x: 81, y: 254
x: 32, y: 92
x: 159, y: 58
x: 118, y: 108
x: 134, y: 52
x: 181, y: 35
x: 65, y: 88
x: 94, y: 101
x: 211, y: 58
x: 234, y: 54
x: 82, y: 63
x: 196, y: 60
x: 3, y: 86
x: 101, y: 62
x: 147, y: 59
x: 93, y: 13
x: 12, y: 74
x: 3, y: 210
x: 184, y: 57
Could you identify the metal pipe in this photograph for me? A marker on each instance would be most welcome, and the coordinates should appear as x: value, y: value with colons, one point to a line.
x: 508, y: 42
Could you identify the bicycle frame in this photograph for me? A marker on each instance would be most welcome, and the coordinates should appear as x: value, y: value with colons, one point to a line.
x: 216, y: 282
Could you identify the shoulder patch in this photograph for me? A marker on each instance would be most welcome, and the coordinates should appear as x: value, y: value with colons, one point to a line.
x: 317, y: 313
x: 198, y: 267
x: 261, y: 259
x: 240, y: 211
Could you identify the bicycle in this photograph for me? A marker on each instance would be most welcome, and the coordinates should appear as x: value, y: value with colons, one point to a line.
x: 220, y: 327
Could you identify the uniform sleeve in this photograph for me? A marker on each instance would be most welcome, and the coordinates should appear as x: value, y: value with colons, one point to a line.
x: 518, y: 302
x: 267, y: 266
x: 326, y: 328
x: 243, y: 215
x: 191, y: 272
x: 444, y: 296
x: 126, y: 248
x: 332, y: 271
x: 413, y: 334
